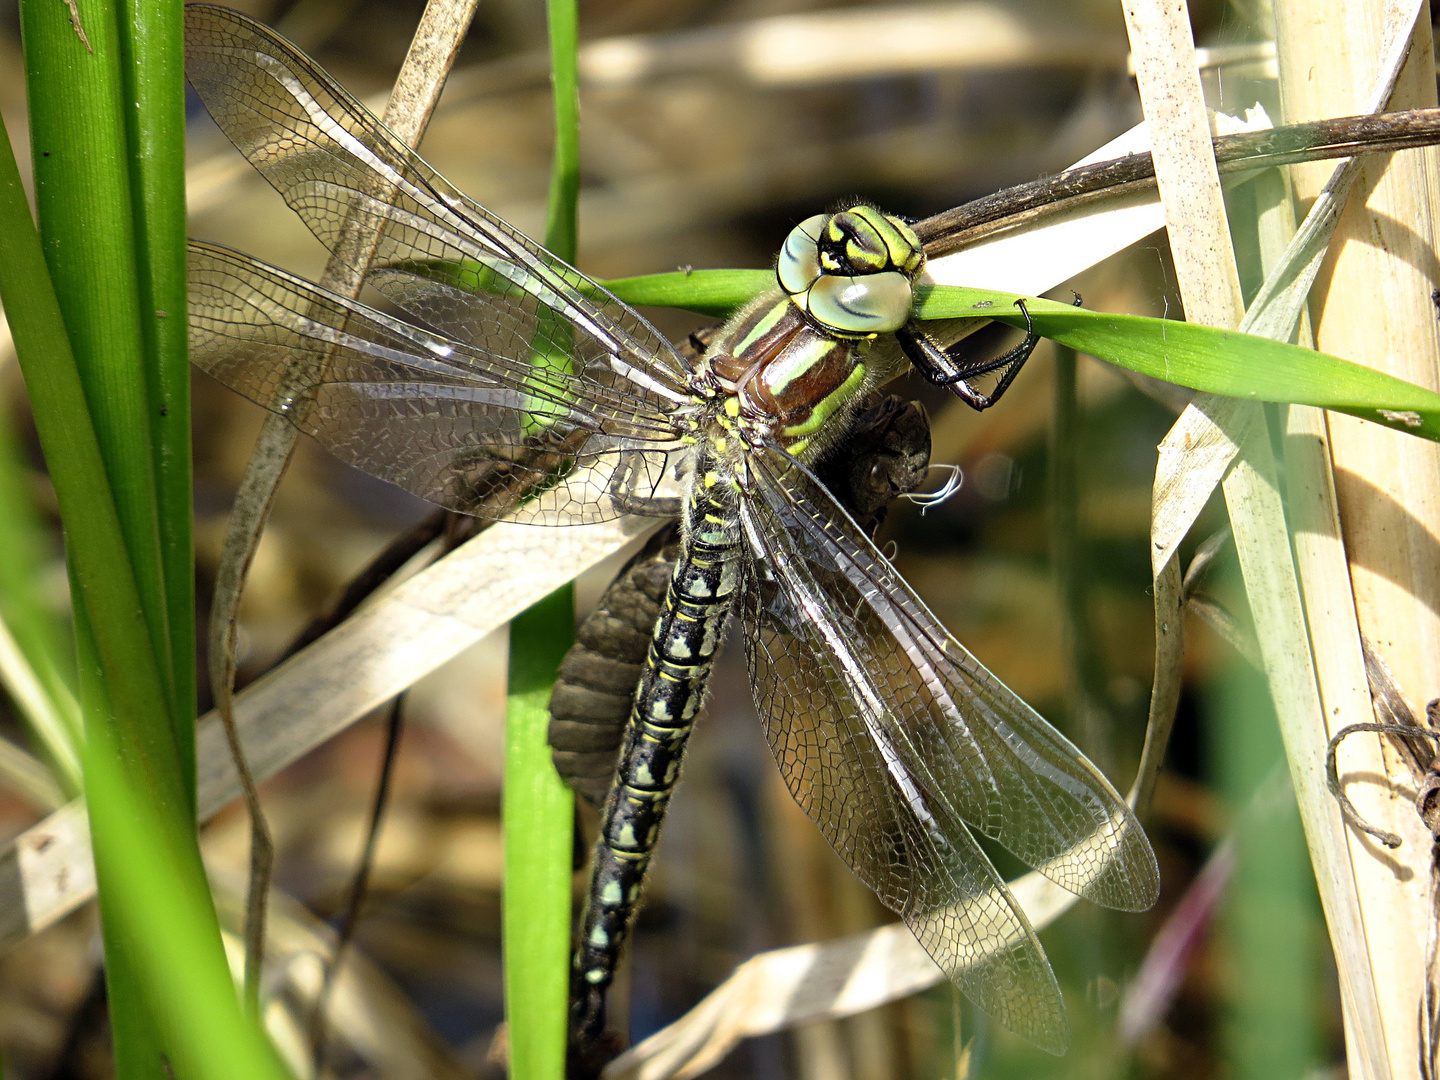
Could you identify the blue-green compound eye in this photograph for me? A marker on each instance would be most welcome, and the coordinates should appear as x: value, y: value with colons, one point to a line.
x: 799, y: 263
x: 861, y: 305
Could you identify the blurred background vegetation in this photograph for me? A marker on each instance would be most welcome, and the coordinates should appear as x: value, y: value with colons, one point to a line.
x: 704, y: 156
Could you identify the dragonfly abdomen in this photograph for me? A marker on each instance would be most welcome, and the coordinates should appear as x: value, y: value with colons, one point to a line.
x: 687, y: 635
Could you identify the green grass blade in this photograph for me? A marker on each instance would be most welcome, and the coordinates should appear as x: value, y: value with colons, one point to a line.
x: 162, y: 911
x: 1201, y: 357
x: 84, y: 194
x: 709, y: 292
x: 1270, y: 920
x: 153, y: 48
x: 538, y: 811
x: 159, y: 924
x: 562, y: 226
x: 1242, y: 366
x: 139, y: 1045
x: 151, y: 55
x: 94, y: 536
x: 54, y: 724
x: 539, y: 808
x: 1204, y: 358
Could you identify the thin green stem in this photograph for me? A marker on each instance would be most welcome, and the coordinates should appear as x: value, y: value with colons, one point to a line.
x: 539, y: 808
x: 152, y: 43
x: 538, y: 811
x: 562, y: 211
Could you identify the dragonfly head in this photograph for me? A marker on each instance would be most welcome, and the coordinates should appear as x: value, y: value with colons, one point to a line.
x: 852, y: 271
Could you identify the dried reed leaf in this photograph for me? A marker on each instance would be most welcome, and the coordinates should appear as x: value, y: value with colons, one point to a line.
x: 368, y: 1012
x: 1375, y: 307
x: 779, y: 989
x: 381, y: 651
x: 1039, y: 257
x: 1199, y: 448
x: 1208, y: 284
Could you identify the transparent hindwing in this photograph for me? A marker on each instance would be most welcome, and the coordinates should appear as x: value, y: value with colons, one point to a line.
x: 901, y: 745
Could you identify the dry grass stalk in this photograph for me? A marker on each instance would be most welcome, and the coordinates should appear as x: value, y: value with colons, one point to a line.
x: 1372, y: 303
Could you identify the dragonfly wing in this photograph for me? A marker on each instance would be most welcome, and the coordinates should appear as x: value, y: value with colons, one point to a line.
x: 375, y: 203
x: 965, y: 737
x: 932, y: 872
x: 898, y: 743
x: 472, y: 431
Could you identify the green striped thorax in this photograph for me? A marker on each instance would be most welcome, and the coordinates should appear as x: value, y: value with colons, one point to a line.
x: 852, y: 271
x: 792, y: 364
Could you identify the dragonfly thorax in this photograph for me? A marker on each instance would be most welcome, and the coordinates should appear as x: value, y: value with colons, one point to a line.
x: 791, y: 366
x: 771, y: 374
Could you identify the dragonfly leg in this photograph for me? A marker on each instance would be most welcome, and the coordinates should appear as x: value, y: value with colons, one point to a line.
x: 645, y: 506
x: 948, y: 367
x: 624, y: 490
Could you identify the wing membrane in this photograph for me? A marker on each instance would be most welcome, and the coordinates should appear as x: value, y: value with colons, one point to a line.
x: 345, y: 174
x: 899, y: 742
x: 473, y: 431
x: 931, y: 872
x: 964, y: 736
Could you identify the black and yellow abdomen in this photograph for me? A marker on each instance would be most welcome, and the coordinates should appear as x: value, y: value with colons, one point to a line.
x: 687, y: 635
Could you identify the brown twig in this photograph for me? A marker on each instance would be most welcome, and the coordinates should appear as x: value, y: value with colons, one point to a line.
x: 431, y: 55
x: 359, y: 884
x: 1319, y: 140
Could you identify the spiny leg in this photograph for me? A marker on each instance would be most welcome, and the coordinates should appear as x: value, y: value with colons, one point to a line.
x: 947, y: 367
x: 624, y: 490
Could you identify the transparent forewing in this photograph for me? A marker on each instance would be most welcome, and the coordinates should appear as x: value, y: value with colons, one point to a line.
x: 474, y: 431
x: 375, y: 203
x: 894, y: 704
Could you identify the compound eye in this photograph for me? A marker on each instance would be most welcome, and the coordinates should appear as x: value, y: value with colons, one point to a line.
x: 865, y: 304
x: 813, y: 226
x: 799, y: 262
x: 863, y: 242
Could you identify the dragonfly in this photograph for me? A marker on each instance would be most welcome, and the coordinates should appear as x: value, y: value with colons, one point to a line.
x: 515, y: 386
